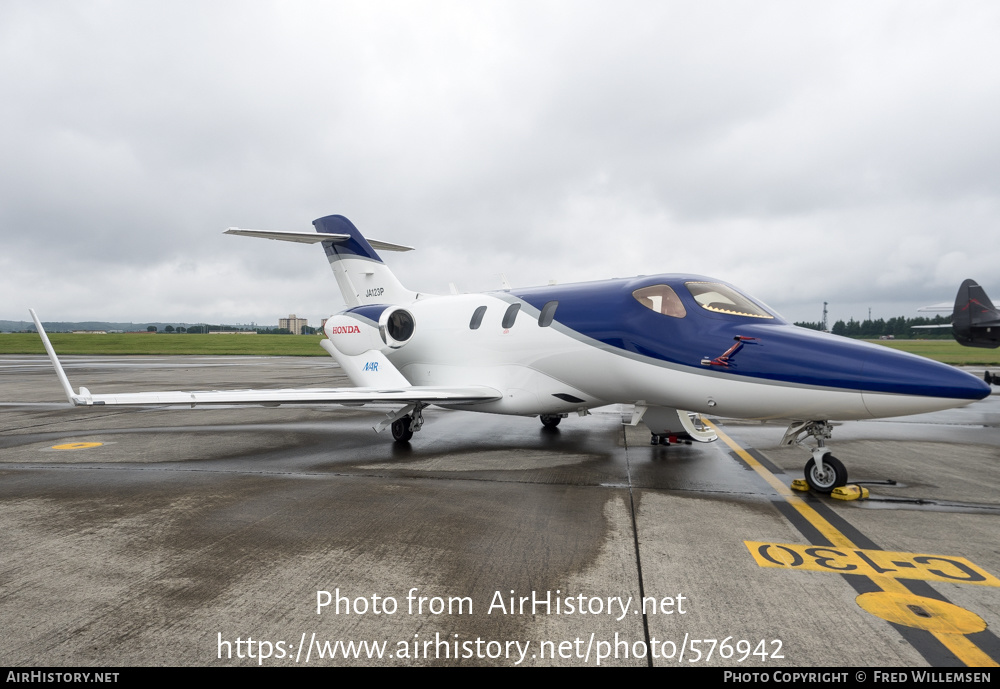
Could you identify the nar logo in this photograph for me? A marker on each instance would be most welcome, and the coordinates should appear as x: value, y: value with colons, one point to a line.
x: 371, y: 366
x: 344, y: 329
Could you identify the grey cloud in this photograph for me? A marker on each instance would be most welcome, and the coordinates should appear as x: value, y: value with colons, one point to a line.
x: 840, y: 152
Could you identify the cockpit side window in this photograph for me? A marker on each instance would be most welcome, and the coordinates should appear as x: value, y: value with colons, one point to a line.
x: 719, y: 298
x: 547, y: 313
x: 662, y: 299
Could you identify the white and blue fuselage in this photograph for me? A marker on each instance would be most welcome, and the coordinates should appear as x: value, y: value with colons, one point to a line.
x: 599, y: 344
x: 683, y: 342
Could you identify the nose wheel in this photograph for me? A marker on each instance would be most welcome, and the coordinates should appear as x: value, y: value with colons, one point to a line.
x: 823, y: 472
x: 826, y: 474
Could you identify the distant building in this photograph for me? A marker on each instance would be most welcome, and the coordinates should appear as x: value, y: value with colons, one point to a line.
x: 293, y: 324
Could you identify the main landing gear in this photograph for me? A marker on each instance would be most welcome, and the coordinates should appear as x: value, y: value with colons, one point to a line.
x: 404, y: 422
x: 824, y: 472
x: 401, y: 431
x: 551, y: 420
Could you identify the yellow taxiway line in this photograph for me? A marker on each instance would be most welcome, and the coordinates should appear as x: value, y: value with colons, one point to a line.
x: 896, y: 607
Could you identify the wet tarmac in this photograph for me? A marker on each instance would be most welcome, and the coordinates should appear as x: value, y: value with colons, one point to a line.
x: 206, y: 537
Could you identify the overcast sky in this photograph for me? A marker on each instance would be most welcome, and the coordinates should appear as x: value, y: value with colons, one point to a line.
x: 806, y: 152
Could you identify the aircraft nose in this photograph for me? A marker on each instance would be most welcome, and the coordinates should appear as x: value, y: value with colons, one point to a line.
x: 897, y: 383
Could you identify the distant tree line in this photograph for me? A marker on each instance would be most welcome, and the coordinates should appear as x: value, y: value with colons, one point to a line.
x: 201, y: 329
x: 900, y: 327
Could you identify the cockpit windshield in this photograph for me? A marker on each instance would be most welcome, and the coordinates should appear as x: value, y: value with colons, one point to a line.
x: 719, y: 298
x: 662, y: 299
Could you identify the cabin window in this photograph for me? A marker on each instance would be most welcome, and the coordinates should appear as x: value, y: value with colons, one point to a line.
x: 547, y: 314
x: 662, y: 299
x: 510, y: 315
x: 477, y: 318
x: 719, y: 298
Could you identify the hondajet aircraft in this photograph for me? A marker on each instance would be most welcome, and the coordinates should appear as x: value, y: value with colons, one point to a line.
x: 673, y: 346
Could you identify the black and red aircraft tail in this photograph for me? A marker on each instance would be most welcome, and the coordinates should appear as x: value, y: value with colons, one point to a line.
x: 975, y: 322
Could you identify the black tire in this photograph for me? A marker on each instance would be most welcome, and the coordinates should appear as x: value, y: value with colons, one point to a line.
x: 825, y: 482
x: 550, y: 420
x: 401, y: 432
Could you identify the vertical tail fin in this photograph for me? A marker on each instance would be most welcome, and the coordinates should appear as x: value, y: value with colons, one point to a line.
x: 975, y: 322
x: 362, y: 276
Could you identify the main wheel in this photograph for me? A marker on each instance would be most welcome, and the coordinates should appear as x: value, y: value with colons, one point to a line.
x: 825, y: 481
x: 401, y: 432
x: 550, y: 420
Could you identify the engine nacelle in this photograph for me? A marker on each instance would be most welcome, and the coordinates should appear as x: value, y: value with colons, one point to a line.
x: 352, y: 336
x: 395, y: 327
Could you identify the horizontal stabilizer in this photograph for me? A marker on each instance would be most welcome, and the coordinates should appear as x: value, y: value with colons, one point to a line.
x: 362, y: 276
x: 943, y: 307
x: 313, y: 238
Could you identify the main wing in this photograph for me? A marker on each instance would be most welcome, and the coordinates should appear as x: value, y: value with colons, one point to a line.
x: 406, y: 395
x: 399, y: 394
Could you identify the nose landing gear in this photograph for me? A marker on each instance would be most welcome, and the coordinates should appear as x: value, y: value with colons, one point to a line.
x: 823, y: 472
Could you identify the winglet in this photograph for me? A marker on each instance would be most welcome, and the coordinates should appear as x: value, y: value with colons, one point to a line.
x: 54, y: 359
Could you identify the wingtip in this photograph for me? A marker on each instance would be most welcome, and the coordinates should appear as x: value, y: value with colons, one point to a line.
x: 50, y: 350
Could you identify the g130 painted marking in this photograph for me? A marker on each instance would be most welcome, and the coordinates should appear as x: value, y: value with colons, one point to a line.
x: 371, y: 366
x: 880, y: 563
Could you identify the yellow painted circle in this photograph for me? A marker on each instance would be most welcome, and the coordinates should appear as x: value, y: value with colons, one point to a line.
x: 920, y: 612
x: 76, y: 446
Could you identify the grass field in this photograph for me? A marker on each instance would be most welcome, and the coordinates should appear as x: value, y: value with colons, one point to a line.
x: 156, y: 343
x: 948, y: 351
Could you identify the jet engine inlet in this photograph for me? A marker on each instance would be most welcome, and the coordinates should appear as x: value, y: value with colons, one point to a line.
x: 395, y: 327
